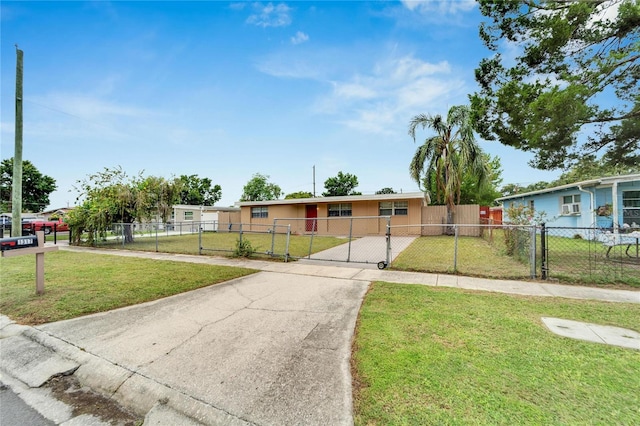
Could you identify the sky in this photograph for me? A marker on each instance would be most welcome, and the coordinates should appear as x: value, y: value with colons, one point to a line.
x: 225, y: 90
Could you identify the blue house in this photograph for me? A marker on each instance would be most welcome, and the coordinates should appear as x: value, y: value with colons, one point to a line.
x: 609, y: 202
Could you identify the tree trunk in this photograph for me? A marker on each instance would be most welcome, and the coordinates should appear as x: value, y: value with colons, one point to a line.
x: 128, y: 233
x: 449, y: 229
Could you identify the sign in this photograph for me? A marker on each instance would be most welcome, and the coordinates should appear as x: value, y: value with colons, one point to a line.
x: 31, y: 244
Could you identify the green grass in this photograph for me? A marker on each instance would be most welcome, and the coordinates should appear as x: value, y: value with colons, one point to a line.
x: 83, y: 283
x: 476, y: 257
x: 425, y: 355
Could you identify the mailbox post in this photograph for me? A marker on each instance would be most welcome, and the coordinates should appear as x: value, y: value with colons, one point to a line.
x: 19, y: 246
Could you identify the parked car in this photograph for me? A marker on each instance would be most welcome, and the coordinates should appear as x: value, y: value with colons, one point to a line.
x: 48, y: 226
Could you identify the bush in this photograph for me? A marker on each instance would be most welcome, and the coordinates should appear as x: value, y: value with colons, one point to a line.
x: 243, y: 248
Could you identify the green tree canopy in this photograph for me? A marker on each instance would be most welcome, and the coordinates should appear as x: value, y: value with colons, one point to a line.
x: 574, y: 89
x: 36, y: 187
x: 386, y: 190
x: 445, y: 159
x: 111, y: 196
x: 260, y: 189
x: 196, y: 191
x: 341, y: 185
x: 299, y: 194
x: 485, y: 195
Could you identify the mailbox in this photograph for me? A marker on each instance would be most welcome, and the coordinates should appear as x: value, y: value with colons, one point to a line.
x: 18, y: 242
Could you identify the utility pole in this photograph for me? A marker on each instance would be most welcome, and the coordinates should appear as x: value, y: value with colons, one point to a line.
x: 16, y: 196
x: 314, y: 181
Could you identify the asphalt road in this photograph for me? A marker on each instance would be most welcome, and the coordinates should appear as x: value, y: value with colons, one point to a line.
x: 14, y: 411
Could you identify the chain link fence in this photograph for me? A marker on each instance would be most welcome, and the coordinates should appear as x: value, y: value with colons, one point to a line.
x: 581, y: 255
x: 590, y: 255
x: 477, y: 250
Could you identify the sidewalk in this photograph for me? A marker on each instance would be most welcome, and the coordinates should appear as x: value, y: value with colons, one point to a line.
x: 270, y: 348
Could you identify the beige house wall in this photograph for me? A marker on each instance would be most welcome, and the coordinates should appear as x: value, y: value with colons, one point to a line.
x: 364, y: 219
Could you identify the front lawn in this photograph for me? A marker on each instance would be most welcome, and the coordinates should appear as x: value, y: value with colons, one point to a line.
x: 84, y: 283
x: 425, y: 355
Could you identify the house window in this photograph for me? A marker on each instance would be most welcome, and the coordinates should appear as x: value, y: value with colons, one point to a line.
x: 259, y: 212
x: 631, y: 208
x: 394, y: 208
x: 188, y: 215
x: 342, y: 209
x: 571, y: 204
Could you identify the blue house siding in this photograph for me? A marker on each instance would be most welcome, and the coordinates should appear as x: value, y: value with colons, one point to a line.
x: 622, y: 193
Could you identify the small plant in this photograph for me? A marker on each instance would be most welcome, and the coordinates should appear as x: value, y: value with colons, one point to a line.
x: 243, y: 248
x: 606, y: 210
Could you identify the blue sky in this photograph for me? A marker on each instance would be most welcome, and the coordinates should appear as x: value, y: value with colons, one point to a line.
x: 228, y: 89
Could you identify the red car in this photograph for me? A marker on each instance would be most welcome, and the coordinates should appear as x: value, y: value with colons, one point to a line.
x: 48, y: 226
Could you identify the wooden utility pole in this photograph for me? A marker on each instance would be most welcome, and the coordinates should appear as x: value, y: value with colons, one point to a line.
x: 16, y: 196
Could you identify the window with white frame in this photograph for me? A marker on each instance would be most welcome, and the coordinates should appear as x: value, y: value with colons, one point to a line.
x: 188, y: 215
x: 260, y: 212
x: 394, y: 208
x: 571, y: 204
x: 342, y: 209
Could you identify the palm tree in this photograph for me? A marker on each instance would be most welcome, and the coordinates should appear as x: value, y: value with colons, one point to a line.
x: 441, y: 162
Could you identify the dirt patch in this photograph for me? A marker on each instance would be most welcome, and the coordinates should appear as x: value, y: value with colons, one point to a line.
x: 85, y: 401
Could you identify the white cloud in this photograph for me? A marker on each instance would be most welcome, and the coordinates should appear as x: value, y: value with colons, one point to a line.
x: 300, y: 37
x: 391, y: 93
x: 440, y: 6
x: 269, y: 15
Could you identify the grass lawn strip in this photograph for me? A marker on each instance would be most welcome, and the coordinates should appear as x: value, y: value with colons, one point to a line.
x: 425, y: 355
x: 78, y: 284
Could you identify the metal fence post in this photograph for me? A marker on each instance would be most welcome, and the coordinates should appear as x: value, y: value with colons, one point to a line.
x: 388, y: 260
x: 455, y: 248
x: 543, y: 249
x: 156, y: 225
x: 200, y: 240
x: 286, y: 250
x: 240, y: 236
x: 273, y: 236
x: 350, y: 234
x: 532, y: 250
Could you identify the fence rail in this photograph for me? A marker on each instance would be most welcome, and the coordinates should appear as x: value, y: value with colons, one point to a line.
x: 582, y: 255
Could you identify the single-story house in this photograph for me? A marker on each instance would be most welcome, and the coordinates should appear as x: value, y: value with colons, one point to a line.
x: 210, y: 215
x: 609, y: 202
x: 322, y: 215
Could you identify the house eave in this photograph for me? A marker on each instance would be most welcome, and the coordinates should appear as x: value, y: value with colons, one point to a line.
x: 605, y: 181
x: 325, y: 200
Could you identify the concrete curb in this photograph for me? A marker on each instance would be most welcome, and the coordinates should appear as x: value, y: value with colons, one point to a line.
x: 50, y: 356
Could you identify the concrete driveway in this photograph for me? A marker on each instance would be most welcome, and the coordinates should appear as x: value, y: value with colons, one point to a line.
x: 271, y: 348
x: 369, y: 249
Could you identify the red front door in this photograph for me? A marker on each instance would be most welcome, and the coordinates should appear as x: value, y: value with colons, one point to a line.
x: 311, y: 215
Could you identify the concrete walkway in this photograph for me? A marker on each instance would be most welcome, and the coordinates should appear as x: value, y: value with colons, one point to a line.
x: 272, y: 348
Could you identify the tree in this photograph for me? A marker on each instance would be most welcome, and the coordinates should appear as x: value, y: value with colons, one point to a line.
x: 36, y: 187
x: 484, y: 195
x: 299, y: 194
x: 578, y: 73
x: 442, y: 161
x: 341, y: 185
x: 386, y: 191
x: 196, y: 191
x: 259, y: 189
x: 514, y: 188
x: 111, y: 196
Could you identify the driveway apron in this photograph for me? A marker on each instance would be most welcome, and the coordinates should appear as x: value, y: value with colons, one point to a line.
x: 270, y: 348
